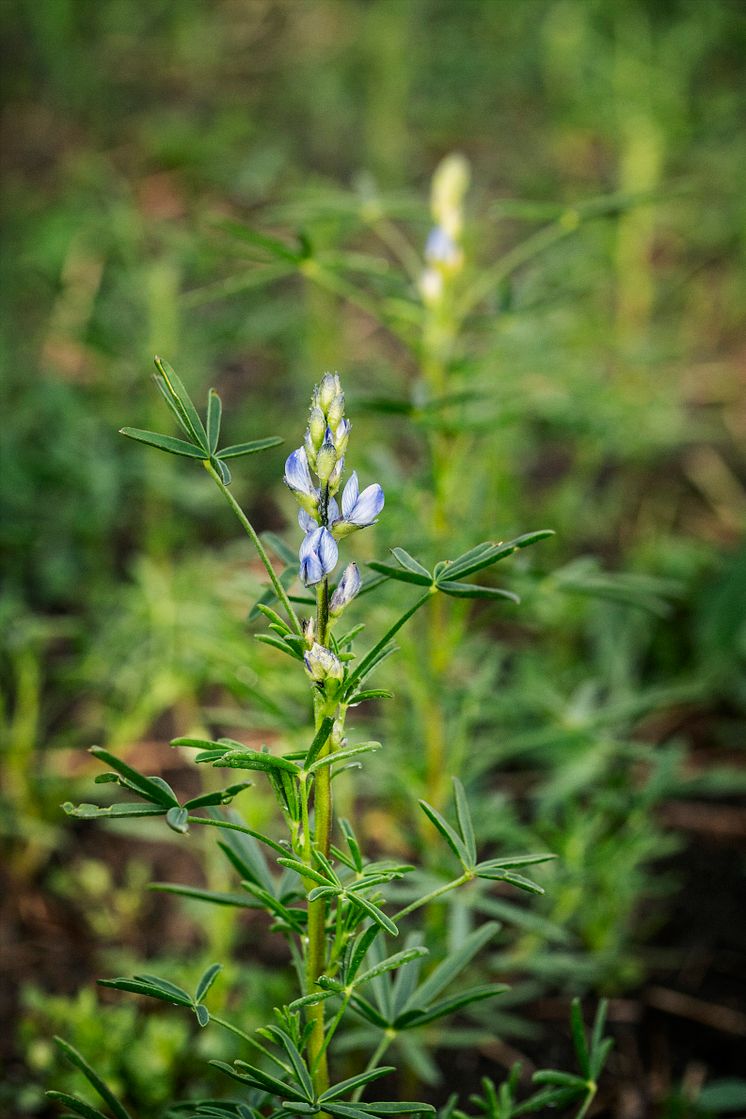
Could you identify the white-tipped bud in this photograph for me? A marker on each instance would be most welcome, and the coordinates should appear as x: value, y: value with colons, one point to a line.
x: 341, y: 436
x: 336, y: 411
x: 322, y: 666
x: 346, y: 589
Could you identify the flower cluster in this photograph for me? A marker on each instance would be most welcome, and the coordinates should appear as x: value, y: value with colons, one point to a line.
x: 444, y: 256
x: 314, y: 473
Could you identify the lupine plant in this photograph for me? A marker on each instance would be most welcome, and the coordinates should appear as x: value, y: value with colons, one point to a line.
x: 320, y: 891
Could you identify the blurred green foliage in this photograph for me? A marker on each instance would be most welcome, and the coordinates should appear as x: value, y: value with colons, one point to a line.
x: 607, y: 402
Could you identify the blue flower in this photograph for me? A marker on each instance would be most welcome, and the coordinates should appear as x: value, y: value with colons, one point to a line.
x: 318, y: 555
x: 347, y: 587
x: 298, y: 479
x: 441, y: 249
x: 358, y: 509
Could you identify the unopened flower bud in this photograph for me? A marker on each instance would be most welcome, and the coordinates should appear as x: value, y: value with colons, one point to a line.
x: 336, y: 475
x: 316, y: 427
x: 309, y: 632
x: 346, y: 589
x: 450, y: 183
x: 336, y: 411
x: 322, y: 666
x: 326, y: 459
x: 341, y: 436
x: 329, y: 388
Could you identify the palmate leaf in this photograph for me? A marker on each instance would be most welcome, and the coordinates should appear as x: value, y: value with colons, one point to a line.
x: 182, y: 402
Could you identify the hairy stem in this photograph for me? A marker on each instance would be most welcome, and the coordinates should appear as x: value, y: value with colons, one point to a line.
x: 322, y: 799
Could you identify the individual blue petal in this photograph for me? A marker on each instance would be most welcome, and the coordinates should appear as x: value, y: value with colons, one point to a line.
x: 297, y: 473
x: 332, y: 511
x: 440, y: 248
x: 349, y: 495
x: 306, y: 521
x: 318, y: 555
x: 328, y: 551
x: 367, y: 507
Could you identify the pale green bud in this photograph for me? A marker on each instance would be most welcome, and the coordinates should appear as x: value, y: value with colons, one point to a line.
x: 329, y: 388
x: 336, y: 411
x: 316, y: 427
x: 326, y: 460
x: 450, y: 183
x: 336, y: 476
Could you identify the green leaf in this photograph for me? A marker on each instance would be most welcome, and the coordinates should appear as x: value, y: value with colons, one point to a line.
x: 121, y: 811
x: 202, y: 1014
x: 344, y: 755
x: 255, y: 759
x: 176, y: 818
x: 351, y: 839
x: 183, y: 402
x: 463, y: 816
x: 214, y: 414
x: 510, y: 861
x: 76, y: 1105
x: 319, y: 741
x: 487, y: 553
x: 250, y: 448
x: 306, y: 872
x: 473, y: 590
x: 221, y: 796
x: 559, y: 1079
x: 452, y: 966
x: 345, y: 1086
x: 409, y: 563
x: 369, y: 693
x: 278, y: 643
x: 578, y: 1038
x: 222, y: 468
x: 403, y: 576
x: 198, y: 894
x: 299, y: 1065
x: 512, y: 879
x: 416, y: 1018
x: 311, y: 1000
x: 272, y: 245
x: 375, y: 914
x: 396, y: 1107
x: 207, y: 981
x: 392, y: 962
x: 141, y: 986
x: 373, y: 656
x: 266, y: 1080
x: 75, y: 1058
x: 150, y: 788
x: 453, y: 840
x: 164, y: 442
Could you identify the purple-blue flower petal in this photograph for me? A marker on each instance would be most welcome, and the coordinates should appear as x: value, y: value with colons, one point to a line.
x: 297, y: 473
x: 367, y: 507
x: 349, y: 495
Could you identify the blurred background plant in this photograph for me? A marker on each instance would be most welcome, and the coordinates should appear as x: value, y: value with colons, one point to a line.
x: 248, y: 187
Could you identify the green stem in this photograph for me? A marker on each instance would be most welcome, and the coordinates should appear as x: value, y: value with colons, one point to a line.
x: 249, y: 530
x: 374, y: 1062
x: 444, y: 889
x: 322, y: 800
